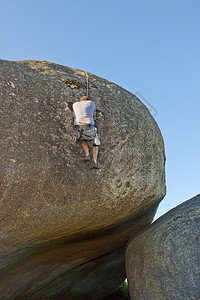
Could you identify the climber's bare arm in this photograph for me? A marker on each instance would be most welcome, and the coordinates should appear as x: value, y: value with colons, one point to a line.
x: 94, y: 116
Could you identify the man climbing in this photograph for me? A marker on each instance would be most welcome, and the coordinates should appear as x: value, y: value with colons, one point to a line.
x: 84, y: 120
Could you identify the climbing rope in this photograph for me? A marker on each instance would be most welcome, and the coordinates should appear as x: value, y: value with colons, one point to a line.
x: 86, y: 75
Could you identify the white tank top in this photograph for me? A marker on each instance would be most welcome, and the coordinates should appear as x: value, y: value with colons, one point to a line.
x: 84, y: 112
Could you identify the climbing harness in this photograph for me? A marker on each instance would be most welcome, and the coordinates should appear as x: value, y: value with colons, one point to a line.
x: 86, y: 75
x: 90, y: 135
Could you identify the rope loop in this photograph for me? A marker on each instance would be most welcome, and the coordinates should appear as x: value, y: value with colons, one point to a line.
x: 86, y: 75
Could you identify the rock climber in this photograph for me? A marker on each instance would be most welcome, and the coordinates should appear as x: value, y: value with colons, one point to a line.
x: 84, y: 121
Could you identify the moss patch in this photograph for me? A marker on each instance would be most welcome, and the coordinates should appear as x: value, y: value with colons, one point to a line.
x: 122, y: 294
x: 73, y: 83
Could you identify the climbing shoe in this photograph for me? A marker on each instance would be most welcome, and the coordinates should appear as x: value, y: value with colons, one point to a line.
x: 85, y: 158
x: 95, y: 165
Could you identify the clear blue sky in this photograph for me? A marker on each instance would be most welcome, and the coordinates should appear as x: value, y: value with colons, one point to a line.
x: 148, y: 46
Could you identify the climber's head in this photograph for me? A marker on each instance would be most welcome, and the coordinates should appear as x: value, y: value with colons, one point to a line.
x: 84, y: 98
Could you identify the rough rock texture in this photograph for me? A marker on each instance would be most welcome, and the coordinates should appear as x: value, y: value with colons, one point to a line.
x: 57, y: 214
x: 163, y: 262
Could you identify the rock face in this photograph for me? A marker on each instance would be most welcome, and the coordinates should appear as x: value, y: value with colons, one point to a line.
x: 58, y: 216
x: 163, y: 261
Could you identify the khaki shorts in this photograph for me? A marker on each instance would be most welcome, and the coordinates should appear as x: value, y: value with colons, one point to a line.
x: 87, y: 134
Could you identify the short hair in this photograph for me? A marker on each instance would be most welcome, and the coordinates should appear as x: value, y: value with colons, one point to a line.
x: 84, y: 98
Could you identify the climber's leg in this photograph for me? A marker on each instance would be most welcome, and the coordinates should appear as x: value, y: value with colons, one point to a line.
x: 86, y: 150
x: 94, y: 153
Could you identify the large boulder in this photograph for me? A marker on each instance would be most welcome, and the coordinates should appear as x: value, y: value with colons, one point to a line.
x: 57, y: 214
x: 163, y: 261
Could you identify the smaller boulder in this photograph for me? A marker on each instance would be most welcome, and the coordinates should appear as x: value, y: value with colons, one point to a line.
x: 163, y: 261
